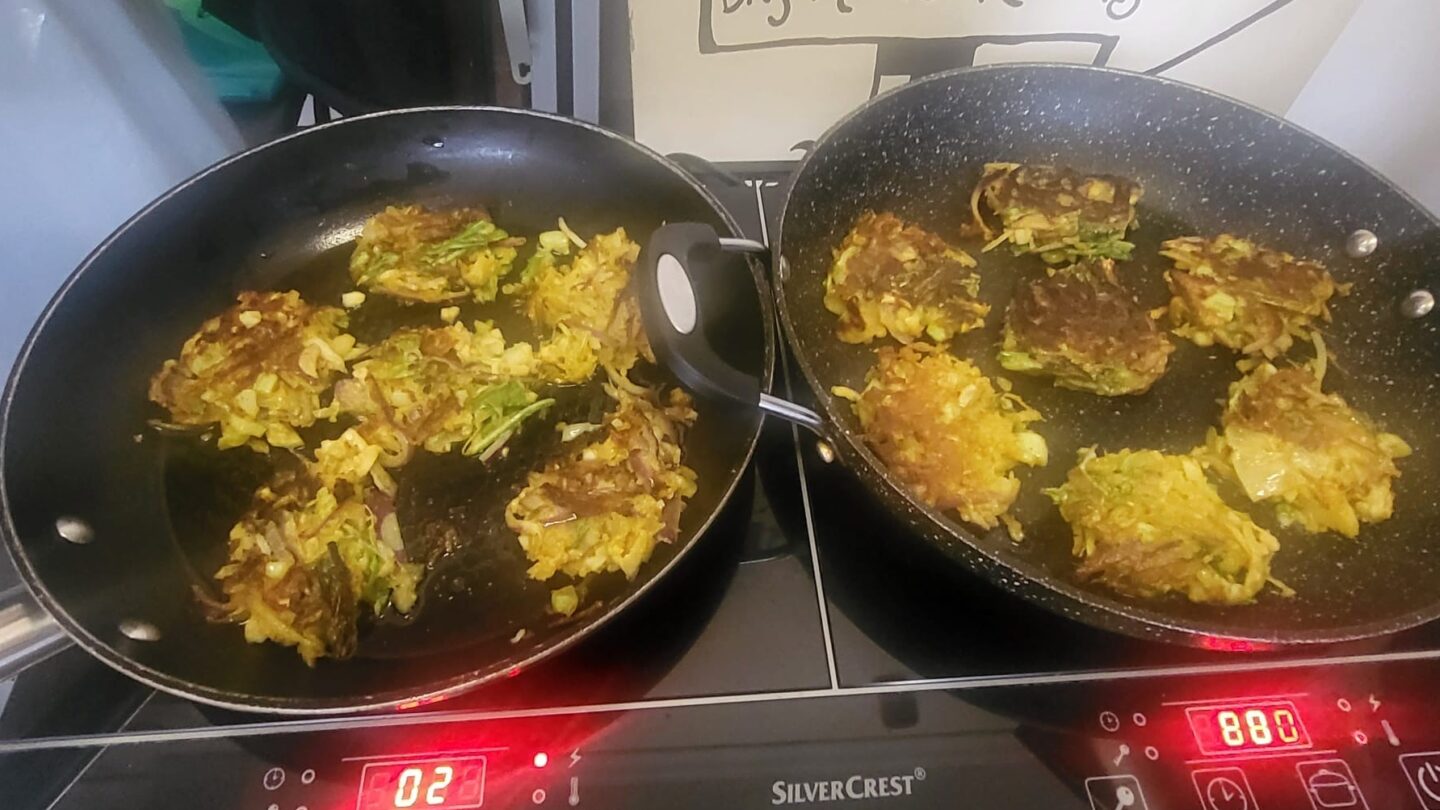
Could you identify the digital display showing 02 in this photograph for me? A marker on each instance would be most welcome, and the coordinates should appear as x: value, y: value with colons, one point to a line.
x: 451, y: 783
x: 1238, y: 726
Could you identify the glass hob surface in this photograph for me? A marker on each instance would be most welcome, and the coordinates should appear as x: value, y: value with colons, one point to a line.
x: 795, y: 649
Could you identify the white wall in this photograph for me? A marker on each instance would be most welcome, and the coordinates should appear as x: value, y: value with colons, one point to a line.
x: 101, y: 110
x: 1377, y: 93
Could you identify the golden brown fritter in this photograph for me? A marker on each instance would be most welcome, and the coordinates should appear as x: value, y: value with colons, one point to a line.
x: 947, y: 432
x: 606, y: 505
x: 318, y: 545
x: 1080, y: 326
x: 436, y: 387
x: 890, y: 277
x: 1233, y: 292
x: 1055, y: 212
x: 1324, y: 465
x: 1148, y: 524
x: 257, y: 370
x: 578, y: 295
x: 415, y: 254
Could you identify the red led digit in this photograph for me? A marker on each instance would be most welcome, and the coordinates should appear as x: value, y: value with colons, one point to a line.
x: 442, y: 776
x: 408, y: 792
x: 1259, y: 727
x: 1229, y: 728
x: 1230, y: 732
x: 1285, y: 726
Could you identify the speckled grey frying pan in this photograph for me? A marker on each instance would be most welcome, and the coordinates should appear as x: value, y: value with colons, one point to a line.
x: 1208, y: 164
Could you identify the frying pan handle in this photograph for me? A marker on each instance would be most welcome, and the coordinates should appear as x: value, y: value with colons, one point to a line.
x: 674, y: 316
x: 27, y: 633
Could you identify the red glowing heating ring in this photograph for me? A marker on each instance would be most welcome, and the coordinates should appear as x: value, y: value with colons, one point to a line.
x: 1238, y: 726
x: 451, y: 783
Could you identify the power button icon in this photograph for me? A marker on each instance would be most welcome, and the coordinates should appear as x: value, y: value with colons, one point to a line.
x: 1423, y: 771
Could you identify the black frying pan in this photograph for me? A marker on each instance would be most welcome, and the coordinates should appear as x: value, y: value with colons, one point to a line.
x: 151, y: 513
x: 1209, y: 165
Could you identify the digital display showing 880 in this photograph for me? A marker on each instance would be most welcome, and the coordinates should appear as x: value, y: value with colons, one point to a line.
x: 1268, y: 725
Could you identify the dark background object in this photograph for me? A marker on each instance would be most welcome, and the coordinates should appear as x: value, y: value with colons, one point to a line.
x: 76, y: 402
x: 361, y: 56
x: 1209, y: 165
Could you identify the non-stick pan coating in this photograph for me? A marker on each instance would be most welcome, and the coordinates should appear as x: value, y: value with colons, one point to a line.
x: 1209, y: 165
x: 76, y: 444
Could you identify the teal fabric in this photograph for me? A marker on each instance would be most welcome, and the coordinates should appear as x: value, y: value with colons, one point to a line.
x: 237, y: 67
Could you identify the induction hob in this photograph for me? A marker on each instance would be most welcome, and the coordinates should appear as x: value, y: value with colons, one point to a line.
x: 796, y: 658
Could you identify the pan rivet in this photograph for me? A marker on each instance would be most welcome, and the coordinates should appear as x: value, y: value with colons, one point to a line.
x: 1361, y: 244
x: 827, y: 453
x: 784, y: 268
x: 136, y: 630
x: 1417, y: 304
x: 74, y: 529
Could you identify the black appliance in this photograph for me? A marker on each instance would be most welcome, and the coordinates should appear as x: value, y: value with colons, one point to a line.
x: 797, y: 660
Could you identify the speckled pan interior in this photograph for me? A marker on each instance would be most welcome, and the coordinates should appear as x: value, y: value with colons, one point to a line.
x: 1209, y: 165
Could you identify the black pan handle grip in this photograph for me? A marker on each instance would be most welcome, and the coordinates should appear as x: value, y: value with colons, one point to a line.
x: 674, y: 315
x: 674, y: 320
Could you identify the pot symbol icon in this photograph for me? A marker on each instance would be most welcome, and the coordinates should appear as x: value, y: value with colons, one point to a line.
x: 1330, y: 785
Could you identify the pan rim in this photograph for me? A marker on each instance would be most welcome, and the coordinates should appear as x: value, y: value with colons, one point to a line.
x: 389, y: 700
x: 956, y: 540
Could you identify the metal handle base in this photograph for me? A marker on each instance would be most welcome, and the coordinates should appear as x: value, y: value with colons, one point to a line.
x: 28, y: 634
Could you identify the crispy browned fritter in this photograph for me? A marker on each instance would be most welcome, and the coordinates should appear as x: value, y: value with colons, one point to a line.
x: 257, y: 370
x: 946, y: 431
x: 1148, y: 524
x: 1080, y: 326
x: 892, y: 277
x: 1055, y: 212
x: 1230, y: 291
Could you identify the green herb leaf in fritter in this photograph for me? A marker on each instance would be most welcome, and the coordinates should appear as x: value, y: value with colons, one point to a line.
x: 415, y: 254
x: 436, y: 387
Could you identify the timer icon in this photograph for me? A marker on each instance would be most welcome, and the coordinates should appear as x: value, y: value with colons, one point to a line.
x: 273, y: 779
x: 1223, y: 789
x: 1223, y: 794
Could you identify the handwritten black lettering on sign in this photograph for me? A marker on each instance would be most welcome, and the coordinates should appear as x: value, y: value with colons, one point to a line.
x: 1114, y: 9
x: 1120, y: 9
x: 781, y: 15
